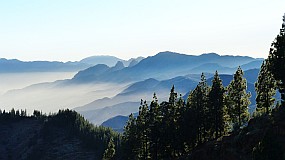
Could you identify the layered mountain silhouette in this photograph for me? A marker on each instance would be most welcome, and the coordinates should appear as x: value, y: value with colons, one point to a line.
x: 17, y: 66
x: 140, y: 79
x: 167, y: 65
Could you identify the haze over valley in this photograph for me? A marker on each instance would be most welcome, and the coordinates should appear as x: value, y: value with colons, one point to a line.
x: 107, y: 86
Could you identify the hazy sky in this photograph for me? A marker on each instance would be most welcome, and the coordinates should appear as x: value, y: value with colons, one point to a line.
x: 69, y: 30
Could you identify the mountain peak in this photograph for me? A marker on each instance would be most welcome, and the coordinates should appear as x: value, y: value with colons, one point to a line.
x: 133, y: 63
x: 108, y: 60
x: 167, y: 53
x: 119, y: 65
x: 210, y: 54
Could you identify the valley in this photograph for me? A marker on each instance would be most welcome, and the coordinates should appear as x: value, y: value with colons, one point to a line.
x: 102, y: 92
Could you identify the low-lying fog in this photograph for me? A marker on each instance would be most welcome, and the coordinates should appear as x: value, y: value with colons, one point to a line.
x: 49, y: 97
x: 10, y: 81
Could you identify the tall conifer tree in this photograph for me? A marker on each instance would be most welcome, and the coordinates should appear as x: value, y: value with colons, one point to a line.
x: 217, y: 107
x: 238, y: 99
x: 265, y: 88
x: 276, y: 60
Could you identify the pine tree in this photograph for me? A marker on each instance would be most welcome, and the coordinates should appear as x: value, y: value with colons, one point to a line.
x: 276, y: 60
x: 110, y: 151
x: 265, y: 88
x: 204, y: 110
x: 169, y: 126
x: 130, y: 143
x: 142, y: 123
x: 217, y: 107
x: 155, y: 133
x: 197, y: 107
x: 238, y: 99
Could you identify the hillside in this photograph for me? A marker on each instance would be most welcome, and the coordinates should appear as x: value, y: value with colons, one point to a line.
x: 59, y: 136
x: 263, y: 138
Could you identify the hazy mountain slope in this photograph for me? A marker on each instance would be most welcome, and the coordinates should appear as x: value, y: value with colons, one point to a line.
x: 90, y: 73
x: 251, y: 75
x: 252, y: 65
x: 107, y: 60
x: 141, y: 86
x: 211, y: 68
x: 98, y: 116
x: 117, y: 123
x: 143, y: 90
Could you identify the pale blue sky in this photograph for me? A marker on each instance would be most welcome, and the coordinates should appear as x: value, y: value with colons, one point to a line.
x: 69, y: 30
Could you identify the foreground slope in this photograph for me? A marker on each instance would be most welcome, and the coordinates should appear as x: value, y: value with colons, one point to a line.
x: 263, y: 138
x: 65, y: 135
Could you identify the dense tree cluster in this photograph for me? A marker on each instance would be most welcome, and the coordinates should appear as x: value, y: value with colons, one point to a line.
x: 174, y: 128
x: 98, y: 138
x: 12, y: 115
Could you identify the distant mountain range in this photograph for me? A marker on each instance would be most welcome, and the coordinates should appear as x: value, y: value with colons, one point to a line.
x: 110, y: 60
x: 139, y: 79
x: 15, y: 66
x: 11, y: 66
x: 167, y: 65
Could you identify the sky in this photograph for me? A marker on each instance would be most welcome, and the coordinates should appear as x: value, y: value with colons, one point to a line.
x: 70, y: 30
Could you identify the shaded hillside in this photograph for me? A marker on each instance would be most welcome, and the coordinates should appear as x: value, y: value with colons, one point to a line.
x: 263, y: 138
x: 65, y: 135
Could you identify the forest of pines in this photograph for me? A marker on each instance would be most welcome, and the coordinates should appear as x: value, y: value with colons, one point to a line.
x: 176, y: 128
x: 179, y: 129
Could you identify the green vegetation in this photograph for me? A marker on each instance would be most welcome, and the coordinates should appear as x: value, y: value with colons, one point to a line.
x: 238, y: 100
x: 175, y: 128
x: 276, y: 60
x: 214, y: 116
x: 266, y: 89
x: 66, y: 127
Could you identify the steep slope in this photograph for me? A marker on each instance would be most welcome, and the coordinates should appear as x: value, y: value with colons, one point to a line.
x: 91, y: 73
x: 263, y: 138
